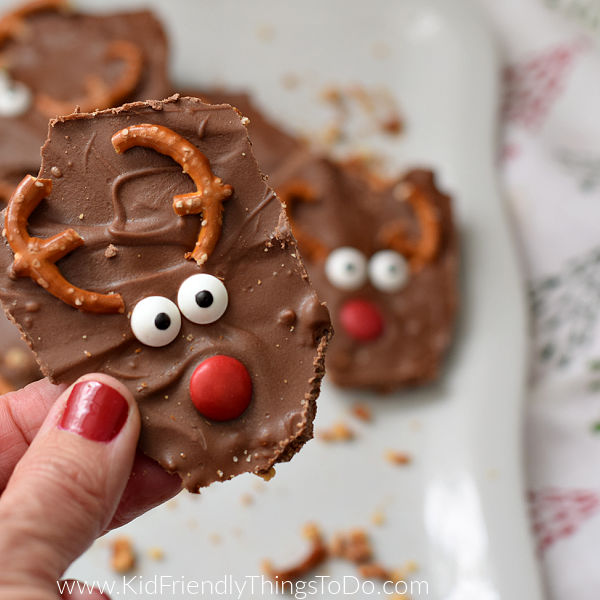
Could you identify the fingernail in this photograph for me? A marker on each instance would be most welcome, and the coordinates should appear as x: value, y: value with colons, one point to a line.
x: 94, y: 411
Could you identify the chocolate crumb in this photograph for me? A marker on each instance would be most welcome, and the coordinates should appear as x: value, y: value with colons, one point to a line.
x: 32, y: 306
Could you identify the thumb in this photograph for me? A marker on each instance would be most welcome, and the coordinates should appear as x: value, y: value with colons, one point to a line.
x: 66, y: 488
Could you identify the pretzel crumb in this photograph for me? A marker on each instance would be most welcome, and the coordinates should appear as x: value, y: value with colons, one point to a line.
x: 338, y: 432
x: 247, y: 499
x: 397, y: 457
x: 375, y: 571
x: 362, y: 412
x: 353, y: 546
x: 268, y: 475
x: 111, y: 251
x: 156, y: 553
x: 378, y: 517
x: 123, y: 558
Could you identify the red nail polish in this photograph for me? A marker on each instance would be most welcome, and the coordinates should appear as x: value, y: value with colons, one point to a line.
x: 95, y: 411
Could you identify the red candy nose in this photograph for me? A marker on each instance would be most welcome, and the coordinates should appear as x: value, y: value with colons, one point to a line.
x: 221, y: 388
x: 361, y: 320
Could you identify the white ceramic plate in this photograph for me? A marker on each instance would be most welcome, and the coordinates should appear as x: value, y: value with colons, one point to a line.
x: 459, y: 509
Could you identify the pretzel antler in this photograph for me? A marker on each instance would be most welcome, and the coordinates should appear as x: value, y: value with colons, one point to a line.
x: 210, y: 193
x: 12, y: 22
x: 36, y: 258
x: 419, y: 251
x: 98, y: 94
x: 290, y: 193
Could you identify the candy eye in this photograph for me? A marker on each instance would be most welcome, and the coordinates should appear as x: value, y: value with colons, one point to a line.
x: 388, y: 271
x: 15, y: 98
x: 202, y: 298
x: 155, y: 321
x: 346, y: 268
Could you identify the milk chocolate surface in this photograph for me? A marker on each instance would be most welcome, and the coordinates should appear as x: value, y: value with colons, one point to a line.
x: 62, y: 54
x: 272, y: 146
x: 348, y: 209
x: 134, y: 245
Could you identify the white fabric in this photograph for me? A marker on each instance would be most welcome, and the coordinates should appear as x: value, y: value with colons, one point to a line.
x: 550, y: 163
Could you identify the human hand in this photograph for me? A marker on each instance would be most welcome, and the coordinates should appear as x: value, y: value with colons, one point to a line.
x: 69, y: 472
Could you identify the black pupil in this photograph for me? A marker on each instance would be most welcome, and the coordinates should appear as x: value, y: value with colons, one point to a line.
x: 162, y: 321
x: 350, y: 267
x: 204, y: 299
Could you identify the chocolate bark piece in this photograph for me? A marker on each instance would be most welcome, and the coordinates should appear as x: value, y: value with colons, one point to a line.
x: 56, y: 58
x: 134, y: 245
x: 271, y: 144
x: 394, y: 313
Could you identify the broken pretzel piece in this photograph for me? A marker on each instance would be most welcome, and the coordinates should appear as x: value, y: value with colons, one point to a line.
x: 317, y: 555
x: 210, y: 189
x: 36, y: 258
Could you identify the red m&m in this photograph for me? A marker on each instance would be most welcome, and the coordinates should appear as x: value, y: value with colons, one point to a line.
x: 221, y: 388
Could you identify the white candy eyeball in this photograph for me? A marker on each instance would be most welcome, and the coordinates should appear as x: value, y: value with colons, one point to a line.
x: 202, y: 298
x: 388, y: 271
x: 155, y: 321
x: 346, y: 268
x: 15, y: 98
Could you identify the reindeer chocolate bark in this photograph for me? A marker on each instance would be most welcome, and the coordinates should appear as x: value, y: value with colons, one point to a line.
x: 161, y: 257
x: 384, y: 255
x: 53, y: 59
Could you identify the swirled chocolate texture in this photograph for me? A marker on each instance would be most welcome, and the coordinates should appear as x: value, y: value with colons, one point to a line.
x: 414, y: 324
x: 62, y: 56
x: 134, y: 245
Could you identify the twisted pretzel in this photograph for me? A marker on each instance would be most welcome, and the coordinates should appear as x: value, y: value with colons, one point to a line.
x: 36, y: 258
x: 316, y: 556
x: 424, y: 249
x: 299, y: 191
x: 210, y: 189
x: 98, y: 94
